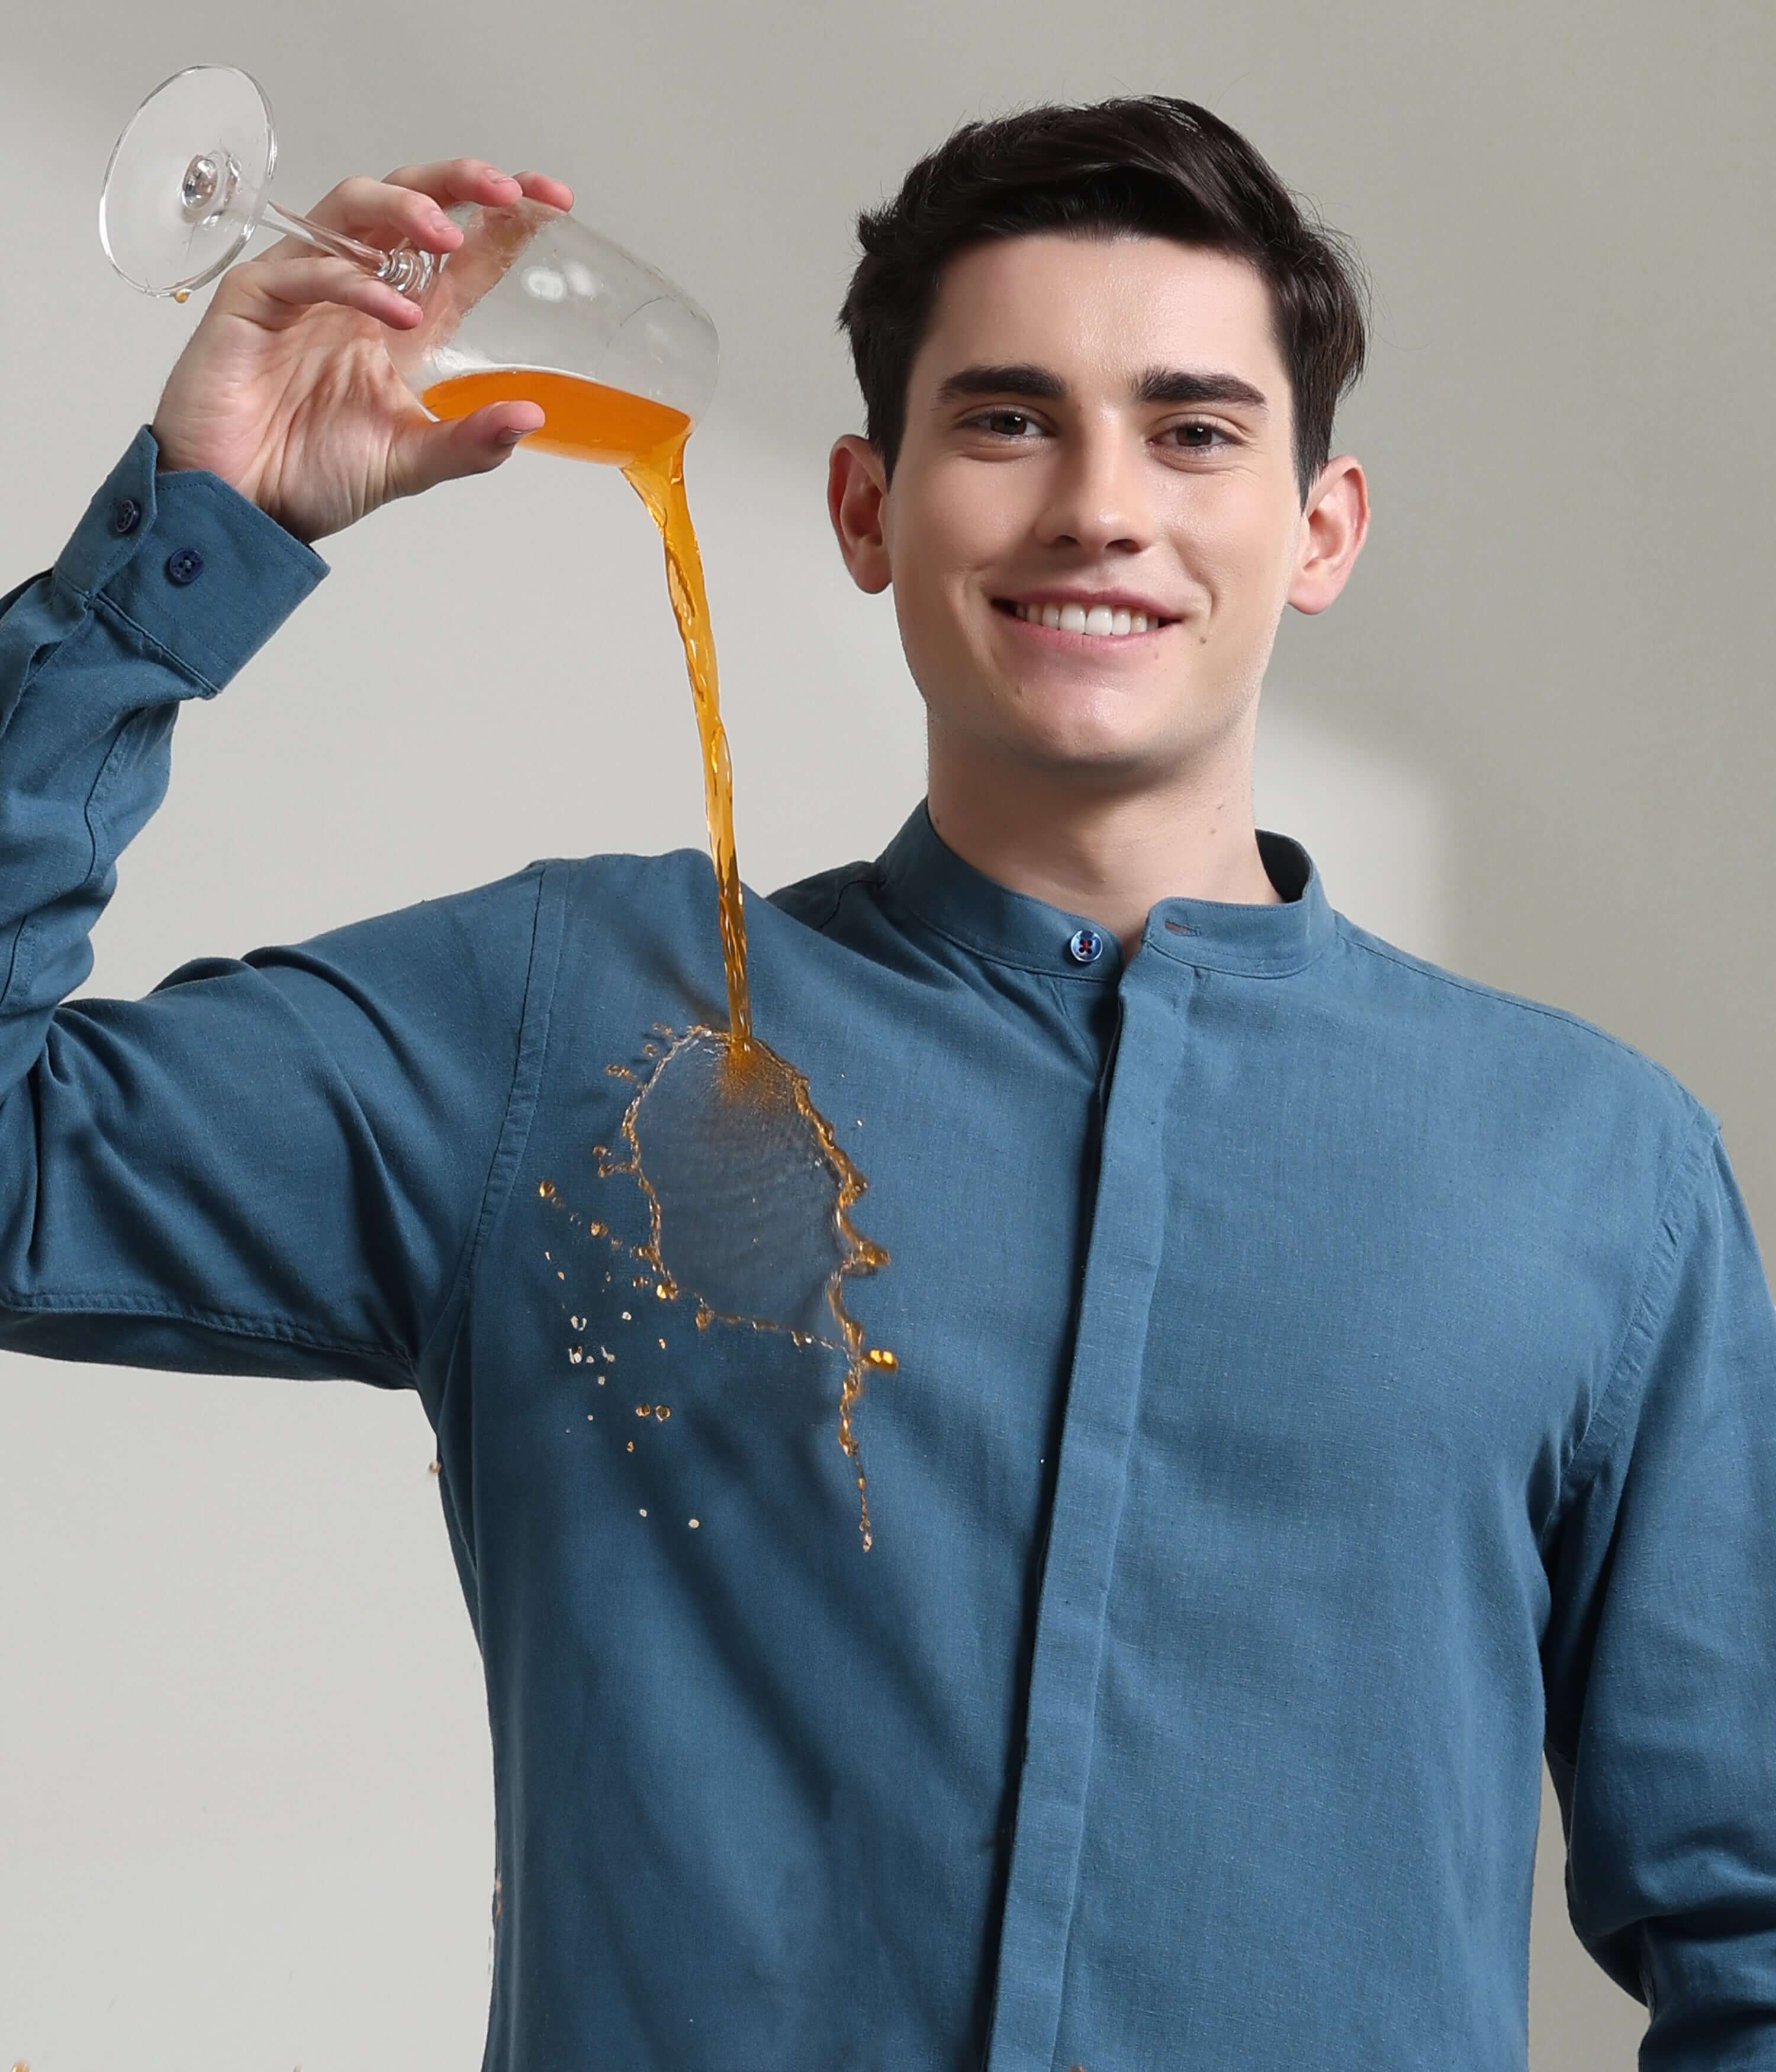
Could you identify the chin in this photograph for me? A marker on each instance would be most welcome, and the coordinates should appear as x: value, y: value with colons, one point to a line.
x: 1027, y: 729
x: 1106, y: 758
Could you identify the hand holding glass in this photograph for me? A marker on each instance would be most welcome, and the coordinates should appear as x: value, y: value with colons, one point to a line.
x: 533, y: 305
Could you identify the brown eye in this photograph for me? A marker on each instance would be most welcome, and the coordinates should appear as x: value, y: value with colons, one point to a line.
x: 988, y: 418
x: 1197, y: 424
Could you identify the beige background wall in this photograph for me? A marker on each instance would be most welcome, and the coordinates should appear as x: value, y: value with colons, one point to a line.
x: 245, y: 1808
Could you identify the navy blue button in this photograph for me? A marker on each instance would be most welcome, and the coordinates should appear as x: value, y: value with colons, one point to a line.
x: 1085, y: 947
x: 127, y: 517
x: 186, y: 566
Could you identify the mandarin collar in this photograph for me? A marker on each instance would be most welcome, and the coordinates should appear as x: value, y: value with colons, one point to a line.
x: 922, y: 874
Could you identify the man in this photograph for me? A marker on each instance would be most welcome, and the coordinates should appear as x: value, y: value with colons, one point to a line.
x: 1324, y: 1381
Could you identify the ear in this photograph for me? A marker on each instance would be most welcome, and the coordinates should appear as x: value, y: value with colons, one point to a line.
x: 1333, y: 528
x: 857, y: 492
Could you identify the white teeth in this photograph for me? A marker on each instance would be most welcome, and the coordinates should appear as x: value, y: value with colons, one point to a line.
x: 1101, y: 620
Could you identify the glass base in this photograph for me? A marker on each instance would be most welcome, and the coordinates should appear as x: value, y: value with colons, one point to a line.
x: 188, y: 179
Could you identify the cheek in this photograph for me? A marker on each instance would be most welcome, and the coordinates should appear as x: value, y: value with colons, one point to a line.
x: 932, y: 560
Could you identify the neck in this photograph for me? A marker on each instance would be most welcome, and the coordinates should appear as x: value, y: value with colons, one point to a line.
x: 1110, y: 854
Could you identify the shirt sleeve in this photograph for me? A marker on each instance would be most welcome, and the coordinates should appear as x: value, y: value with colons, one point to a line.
x: 277, y: 1163
x: 1659, y: 1658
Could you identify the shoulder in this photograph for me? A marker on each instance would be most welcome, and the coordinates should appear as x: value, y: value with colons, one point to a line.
x: 1529, y: 1055
x: 621, y: 890
x: 815, y: 900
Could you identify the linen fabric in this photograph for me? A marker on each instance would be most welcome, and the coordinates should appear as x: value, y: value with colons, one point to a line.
x: 1326, y: 1385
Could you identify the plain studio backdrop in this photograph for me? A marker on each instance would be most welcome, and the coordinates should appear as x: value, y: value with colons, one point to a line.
x: 245, y: 1796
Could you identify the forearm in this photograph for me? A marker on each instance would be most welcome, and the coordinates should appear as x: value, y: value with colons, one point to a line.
x: 168, y: 586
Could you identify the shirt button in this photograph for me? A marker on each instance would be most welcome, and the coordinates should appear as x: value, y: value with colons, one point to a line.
x: 186, y: 566
x: 1085, y: 947
x: 126, y: 517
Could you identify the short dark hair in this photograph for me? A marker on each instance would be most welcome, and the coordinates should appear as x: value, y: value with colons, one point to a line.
x: 1153, y: 165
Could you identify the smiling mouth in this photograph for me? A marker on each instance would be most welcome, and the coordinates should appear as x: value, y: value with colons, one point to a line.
x: 1103, y: 625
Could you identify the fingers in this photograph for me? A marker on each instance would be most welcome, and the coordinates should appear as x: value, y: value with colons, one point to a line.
x: 407, y: 207
x: 379, y: 213
x: 444, y: 183
x: 427, y: 453
x: 539, y: 186
x: 410, y: 203
x: 288, y: 286
x: 451, y: 180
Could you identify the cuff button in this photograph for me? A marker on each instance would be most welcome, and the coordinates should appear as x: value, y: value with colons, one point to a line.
x: 126, y: 517
x: 185, y: 566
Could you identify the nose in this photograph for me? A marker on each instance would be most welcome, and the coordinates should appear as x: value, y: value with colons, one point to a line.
x: 1099, y: 496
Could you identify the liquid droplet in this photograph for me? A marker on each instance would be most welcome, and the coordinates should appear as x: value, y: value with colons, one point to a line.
x: 661, y: 1413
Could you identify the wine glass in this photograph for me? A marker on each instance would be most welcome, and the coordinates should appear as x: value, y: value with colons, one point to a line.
x: 533, y: 305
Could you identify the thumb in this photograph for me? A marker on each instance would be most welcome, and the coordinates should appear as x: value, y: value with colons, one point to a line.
x: 432, y: 452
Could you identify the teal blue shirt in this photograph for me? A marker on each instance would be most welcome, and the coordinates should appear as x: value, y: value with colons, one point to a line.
x: 1327, y: 1384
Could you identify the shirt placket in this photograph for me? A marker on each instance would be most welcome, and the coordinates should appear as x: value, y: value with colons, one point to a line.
x: 1122, y: 1267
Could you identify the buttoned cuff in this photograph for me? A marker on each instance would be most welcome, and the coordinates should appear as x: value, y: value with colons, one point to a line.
x: 188, y: 560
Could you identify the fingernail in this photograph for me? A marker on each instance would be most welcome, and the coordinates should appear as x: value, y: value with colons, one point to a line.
x: 513, y: 433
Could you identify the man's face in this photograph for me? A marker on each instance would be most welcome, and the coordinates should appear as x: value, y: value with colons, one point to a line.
x: 1050, y: 457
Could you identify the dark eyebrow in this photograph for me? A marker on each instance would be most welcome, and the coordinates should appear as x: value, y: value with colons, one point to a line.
x: 1158, y: 384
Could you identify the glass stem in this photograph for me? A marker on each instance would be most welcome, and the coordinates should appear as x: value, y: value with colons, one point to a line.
x: 406, y: 270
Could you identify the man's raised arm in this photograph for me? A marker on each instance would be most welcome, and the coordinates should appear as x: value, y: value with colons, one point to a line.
x: 277, y: 1163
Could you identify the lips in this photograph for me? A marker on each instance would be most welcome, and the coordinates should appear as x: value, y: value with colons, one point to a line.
x: 1085, y: 600
x: 1066, y: 641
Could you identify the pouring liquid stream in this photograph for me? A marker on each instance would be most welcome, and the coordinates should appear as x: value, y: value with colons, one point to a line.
x: 726, y: 1094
